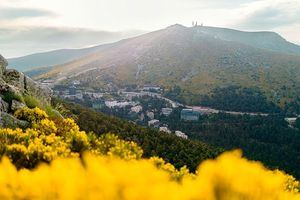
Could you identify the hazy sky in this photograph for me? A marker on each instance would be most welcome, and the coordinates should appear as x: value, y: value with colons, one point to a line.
x: 28, y: 26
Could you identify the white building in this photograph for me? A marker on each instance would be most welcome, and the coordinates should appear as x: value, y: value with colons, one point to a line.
x: 151, y: 88
x: 189, y: 115
x: 150, y: 115
x: 181, y: 134
x: 291, y: 120
x: 136, y: 109
x: 164, y: 129
x: 123, y: 104
x: 76, y: 82
x: 153, y: 123
x: 166, y: 111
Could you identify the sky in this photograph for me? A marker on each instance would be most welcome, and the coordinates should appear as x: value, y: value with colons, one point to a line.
x: 30, y: 26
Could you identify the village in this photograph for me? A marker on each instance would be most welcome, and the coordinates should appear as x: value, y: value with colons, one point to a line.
x: 145, y: 106
x: 127, y: 104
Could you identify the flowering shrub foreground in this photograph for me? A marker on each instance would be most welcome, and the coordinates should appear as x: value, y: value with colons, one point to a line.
x: 47, y: 161
x: 102, y: 177
x: 47, y: 139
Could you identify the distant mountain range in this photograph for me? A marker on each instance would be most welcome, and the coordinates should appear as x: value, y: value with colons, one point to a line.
x: 197, y: 59
x: 264, y: 40
x: 51, y: 58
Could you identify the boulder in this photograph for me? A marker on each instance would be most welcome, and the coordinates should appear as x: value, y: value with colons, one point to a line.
x: 3, y: 86
x: 14, y: 78
x: 16, y: 84
x: 3, y: 65
x: 9, y: 121
x: 15, y: 105
x: 4, y: 106
x: 34, y: 89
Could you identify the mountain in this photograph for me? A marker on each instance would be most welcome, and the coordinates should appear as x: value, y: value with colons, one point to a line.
x: 47, y: 59
x: 264, y: 40
x: 197, y: 59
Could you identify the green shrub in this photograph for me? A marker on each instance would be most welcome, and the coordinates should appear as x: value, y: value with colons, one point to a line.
x: 9, y: 96
x: 52, y: 112
x: 31, y: 102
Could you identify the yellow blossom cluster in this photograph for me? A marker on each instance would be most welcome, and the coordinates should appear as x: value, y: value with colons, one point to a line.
x: 31, y: 115
x: 47, y: 139
x: 229, y: 177
x: 47, y: 161
x: 115, y: 147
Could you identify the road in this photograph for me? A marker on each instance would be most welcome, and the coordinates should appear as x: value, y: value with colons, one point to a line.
x: 201, y: 109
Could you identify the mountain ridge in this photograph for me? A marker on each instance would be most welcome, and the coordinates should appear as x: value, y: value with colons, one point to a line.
x: 63, y: 56
x: 195, y: 61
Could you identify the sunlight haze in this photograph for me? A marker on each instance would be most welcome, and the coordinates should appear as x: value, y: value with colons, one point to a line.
x: 126, y: 18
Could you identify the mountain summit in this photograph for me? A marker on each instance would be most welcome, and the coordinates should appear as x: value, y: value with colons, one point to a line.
x: 264, y: 40
x: 197, y: 59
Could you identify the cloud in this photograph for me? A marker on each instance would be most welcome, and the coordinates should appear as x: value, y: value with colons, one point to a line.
x: 222, y: 3
x: 271, y: 16
x: 21, y: 20
x: 9, y: 13
x: 20, y: 41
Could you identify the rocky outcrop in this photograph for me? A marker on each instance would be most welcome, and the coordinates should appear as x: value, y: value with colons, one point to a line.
x: 19, y: 83
x: 15, y: 105
x: 9, y: 121
x: 3, y: 65
x: 16, y: 82
x: 14, y: 78
x: 33, y: 88
x: 14, y: 85
x: 4, y: 106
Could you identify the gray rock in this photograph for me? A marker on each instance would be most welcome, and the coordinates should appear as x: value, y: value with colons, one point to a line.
x: 4, y: 106
x: 18, y: 85
x: 34, y: 89
x: 9, y: 121
x: 15, y: 105
x: 3, y: 86
x: 3, y: 65
x: 27, y: 86
x: 15, y: 78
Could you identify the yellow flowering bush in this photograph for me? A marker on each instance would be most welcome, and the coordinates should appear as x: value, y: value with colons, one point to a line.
x: 169, y: 168
x: 48, y: 139
x: 113, y: 169
x: 111, y: 145
x: 31, y: 115
x: 228, y: 177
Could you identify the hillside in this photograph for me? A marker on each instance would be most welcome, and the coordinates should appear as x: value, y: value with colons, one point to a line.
x: 171, y: 148
x: 198, y: 60
x: 266, y: 139
x: 264, y: 40
x: 48, y: 59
